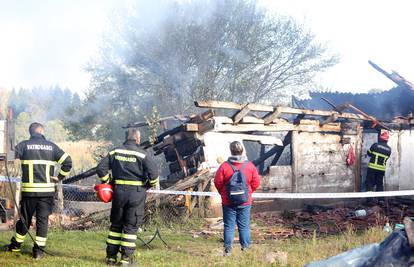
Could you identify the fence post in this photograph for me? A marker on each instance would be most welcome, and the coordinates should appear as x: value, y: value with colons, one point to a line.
x: 157, y: 201
x: 17, y: 198
x: 60, y: 202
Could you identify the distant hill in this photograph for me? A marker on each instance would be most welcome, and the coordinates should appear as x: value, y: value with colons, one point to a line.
x: 384, y: 105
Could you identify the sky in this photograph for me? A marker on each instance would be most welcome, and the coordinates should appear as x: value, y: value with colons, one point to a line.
x: 47, y: 43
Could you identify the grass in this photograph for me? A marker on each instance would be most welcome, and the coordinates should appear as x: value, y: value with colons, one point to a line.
x: 84, y: 153
x: 87, y: 248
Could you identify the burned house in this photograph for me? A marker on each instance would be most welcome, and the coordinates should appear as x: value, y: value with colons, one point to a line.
x: 296, y: 150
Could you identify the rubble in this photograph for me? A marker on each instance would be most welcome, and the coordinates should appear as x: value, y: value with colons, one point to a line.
x: 329, y: 221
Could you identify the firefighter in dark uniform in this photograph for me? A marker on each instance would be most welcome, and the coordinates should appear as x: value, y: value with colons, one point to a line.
x: 379, y: 154
x: 133, y: 171
x: 38, y: 158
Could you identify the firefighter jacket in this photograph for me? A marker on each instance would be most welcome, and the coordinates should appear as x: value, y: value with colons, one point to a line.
x: 380, y: 153
x: 130, y: 165
x: 38, y: 158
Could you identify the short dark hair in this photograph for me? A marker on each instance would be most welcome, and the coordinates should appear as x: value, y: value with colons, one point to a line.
x: 132, y: 134
x: 236, y: 148
x: 34, y: 126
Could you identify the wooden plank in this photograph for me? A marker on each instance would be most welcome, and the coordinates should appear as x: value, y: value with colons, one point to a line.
x: 287, y: 110
x: 324, y: 113
x: 205, y: 126
x: 330, y: 119
x: 295, y: 163
x: 358, y: 157
x: 191, y: 127
x: 232, y: 105
x: 251, y: 119
x: 241, y: 114
x: 332, y: 127
x: 269, y: 118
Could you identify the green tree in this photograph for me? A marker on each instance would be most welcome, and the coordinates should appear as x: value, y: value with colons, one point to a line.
x: 22, y: 126
x: 55, y: 131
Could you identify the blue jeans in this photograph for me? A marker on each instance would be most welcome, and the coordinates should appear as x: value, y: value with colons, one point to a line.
x: 241, y: 216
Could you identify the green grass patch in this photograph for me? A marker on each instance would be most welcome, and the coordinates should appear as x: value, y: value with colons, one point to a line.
x: 87, y: 248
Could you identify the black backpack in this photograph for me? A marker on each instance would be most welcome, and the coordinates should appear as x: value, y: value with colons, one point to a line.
x: 237, y: 190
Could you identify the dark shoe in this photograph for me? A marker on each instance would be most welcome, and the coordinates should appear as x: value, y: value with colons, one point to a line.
x: 227, y: 252
x: 11, y: 248
x: 110, y: 261
x: 244, y: 249
x: 127, y: 261
x: 37, y: 253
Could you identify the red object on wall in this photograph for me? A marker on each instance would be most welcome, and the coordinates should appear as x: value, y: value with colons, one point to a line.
x: 350, y: 158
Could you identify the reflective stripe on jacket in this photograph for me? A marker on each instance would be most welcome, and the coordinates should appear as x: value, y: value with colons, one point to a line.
x: 130, y: 165
x: 39, y: 158
x: 380, y: 153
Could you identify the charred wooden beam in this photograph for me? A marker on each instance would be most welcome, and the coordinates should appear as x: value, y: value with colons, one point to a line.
x: 83, y: 175
x: 280, y: 127
x: 270, y: 117
x: 286, y: 141
x: 330, y: 119
x: 200, y: 118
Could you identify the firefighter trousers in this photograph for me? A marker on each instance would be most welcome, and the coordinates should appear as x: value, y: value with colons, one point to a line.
x: 374, y: 180
x: 127, y: 213
x: 41, y: 207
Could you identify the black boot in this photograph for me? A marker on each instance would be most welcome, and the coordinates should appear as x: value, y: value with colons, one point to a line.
x: 110, y: 260
x: 14, y: 246
x: 128, y: 261
x: 37, y: 252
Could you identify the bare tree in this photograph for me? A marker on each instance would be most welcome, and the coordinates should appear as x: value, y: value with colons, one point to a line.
x: 218, y: 49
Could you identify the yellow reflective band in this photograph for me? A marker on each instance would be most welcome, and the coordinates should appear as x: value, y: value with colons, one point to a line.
x: 15, y: 249
x: 153, y: 182
x: 105, y: 178
x: 63, y: 173
x: 38, y: 190
x: 113, y: 242
x: 115, y: 234
x: 40, y: 243
x: 39, y: 238
x: 31, y: 173
x: 40, y: 162
x: 19, y: 238
x: 376, y: 167
x: 133, y: 237
x: 380, y: 155
x: 48, y: 173
x: 125, y: 182
x: 128, y: 244
x: 62, y: 158
x: 128, y: 152
x: 38, y: 185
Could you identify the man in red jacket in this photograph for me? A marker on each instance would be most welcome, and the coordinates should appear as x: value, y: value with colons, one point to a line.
x: 236, y: 214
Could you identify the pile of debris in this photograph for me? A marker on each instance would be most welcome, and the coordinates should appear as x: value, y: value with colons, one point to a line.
x: 321, y: 220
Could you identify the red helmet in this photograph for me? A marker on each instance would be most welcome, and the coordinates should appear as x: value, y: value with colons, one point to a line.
x: 385, y: 136
x: 104, y: 192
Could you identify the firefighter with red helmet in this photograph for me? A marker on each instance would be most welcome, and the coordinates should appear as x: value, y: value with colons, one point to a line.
x: 379, y: 154
x: 133, y: 171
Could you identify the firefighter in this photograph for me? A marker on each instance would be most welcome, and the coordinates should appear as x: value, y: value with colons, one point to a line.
x: 133, y: 171
x: 38, y: 158
x: 379, y: 154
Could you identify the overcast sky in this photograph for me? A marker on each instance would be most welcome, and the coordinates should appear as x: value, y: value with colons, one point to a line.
x: 44, y: 43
